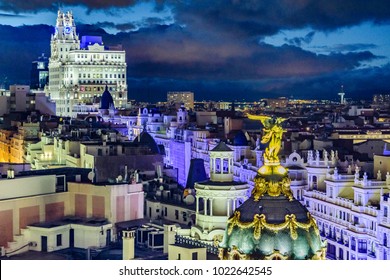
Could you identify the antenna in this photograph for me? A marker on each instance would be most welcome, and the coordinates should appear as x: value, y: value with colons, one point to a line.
x: 342, y: 93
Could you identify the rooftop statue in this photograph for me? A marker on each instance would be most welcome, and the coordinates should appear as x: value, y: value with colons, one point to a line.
x: 273, y: 132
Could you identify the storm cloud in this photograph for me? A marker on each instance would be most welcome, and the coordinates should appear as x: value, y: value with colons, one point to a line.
x: 212, y: 47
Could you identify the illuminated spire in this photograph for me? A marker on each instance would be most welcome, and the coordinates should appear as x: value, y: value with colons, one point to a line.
x: 342, y: 93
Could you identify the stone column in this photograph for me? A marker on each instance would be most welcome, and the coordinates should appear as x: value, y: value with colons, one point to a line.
x: 197, y: 205
x: 205, y: 205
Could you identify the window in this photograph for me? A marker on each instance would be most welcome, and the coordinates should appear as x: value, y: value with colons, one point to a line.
x: 362, y: 246
x: 176, y: 214
x: 59, y: 239
x: 315, y: 182
x: 385, y: 211
x: 194, y: 255
x: 353, y: 243
x: 359, y: 200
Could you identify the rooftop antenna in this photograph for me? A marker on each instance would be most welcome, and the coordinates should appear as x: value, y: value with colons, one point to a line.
x: 342, y: 93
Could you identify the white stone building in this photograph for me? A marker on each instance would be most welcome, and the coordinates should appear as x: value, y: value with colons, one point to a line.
x: 351, y: 211
x: 220, y: 195
x: 79, y: 70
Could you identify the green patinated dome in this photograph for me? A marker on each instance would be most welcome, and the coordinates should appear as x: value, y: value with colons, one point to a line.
x: 241, y: 242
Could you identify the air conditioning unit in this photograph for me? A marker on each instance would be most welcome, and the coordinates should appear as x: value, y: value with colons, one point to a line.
x: 33, y: 244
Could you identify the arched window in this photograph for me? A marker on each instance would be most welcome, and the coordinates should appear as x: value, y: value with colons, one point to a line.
x: 315, y: 182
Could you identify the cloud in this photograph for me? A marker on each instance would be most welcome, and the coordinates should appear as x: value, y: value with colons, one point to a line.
x: 5, y: 15
x: 38, y: 5
x: 120, y: 27
x: 144, y: 23
x: 212, y: 46
x: 242, y: 17
x: 171, y: 52
x: 345, y: 47
x: 298, y: 41
x: 358, y: 84
x: 261, y: 18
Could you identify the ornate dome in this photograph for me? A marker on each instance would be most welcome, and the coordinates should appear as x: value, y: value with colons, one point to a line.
x: 272, y: 224
x: 106, y: 101
x: 272, y: 227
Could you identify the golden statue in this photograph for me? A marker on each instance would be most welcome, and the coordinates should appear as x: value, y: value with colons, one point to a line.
x: 280, y: 226
x: 273, y: 132
x: 272, y: 178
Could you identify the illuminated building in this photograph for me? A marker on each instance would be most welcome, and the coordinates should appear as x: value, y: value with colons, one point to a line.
x: 64, y: 211
x: 13, y: 141
x: 276, y: 102
x: 220, y: 195
x: 381, y: 100
x: 80, y: 70
x: 181, y: 97
x: 351, y: 209
x: 271, y: 224
x: 22, y: 99
x: 39, y: 73
x: 5, y: 145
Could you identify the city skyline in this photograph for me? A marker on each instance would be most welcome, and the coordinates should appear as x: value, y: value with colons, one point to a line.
x: 219, y: 50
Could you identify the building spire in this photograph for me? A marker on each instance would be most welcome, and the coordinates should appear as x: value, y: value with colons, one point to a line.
x: 342, y: 93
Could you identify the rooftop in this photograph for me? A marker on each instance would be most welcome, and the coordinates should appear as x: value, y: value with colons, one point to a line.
x: 96, y: 222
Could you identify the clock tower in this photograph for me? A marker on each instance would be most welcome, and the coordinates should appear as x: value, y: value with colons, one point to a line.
x: 64, y: 40
x: 80, y: 69
x: 65, y: 37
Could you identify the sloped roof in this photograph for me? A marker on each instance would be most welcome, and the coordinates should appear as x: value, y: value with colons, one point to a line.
x: 106, y: 100
x: 221, y: 147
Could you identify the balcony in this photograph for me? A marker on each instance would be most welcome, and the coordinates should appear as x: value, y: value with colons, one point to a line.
x: 211, y: 222
x: 357, y: 228
x: 297, y: 182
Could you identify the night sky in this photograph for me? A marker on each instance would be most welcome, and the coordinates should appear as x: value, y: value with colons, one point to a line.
x: 220, y: 49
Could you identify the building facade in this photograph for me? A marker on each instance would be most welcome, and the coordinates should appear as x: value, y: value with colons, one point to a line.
x: 80, y: 70
x: 39, y: 72
x: 181, y: 97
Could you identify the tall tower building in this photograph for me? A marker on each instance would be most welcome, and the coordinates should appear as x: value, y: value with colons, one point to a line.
x: 80, y: 70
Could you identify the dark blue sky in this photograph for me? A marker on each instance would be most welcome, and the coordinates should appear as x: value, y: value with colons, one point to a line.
x: 221, y: 50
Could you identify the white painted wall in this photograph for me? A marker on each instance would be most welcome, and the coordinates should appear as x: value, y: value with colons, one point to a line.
x: 27, y: 186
